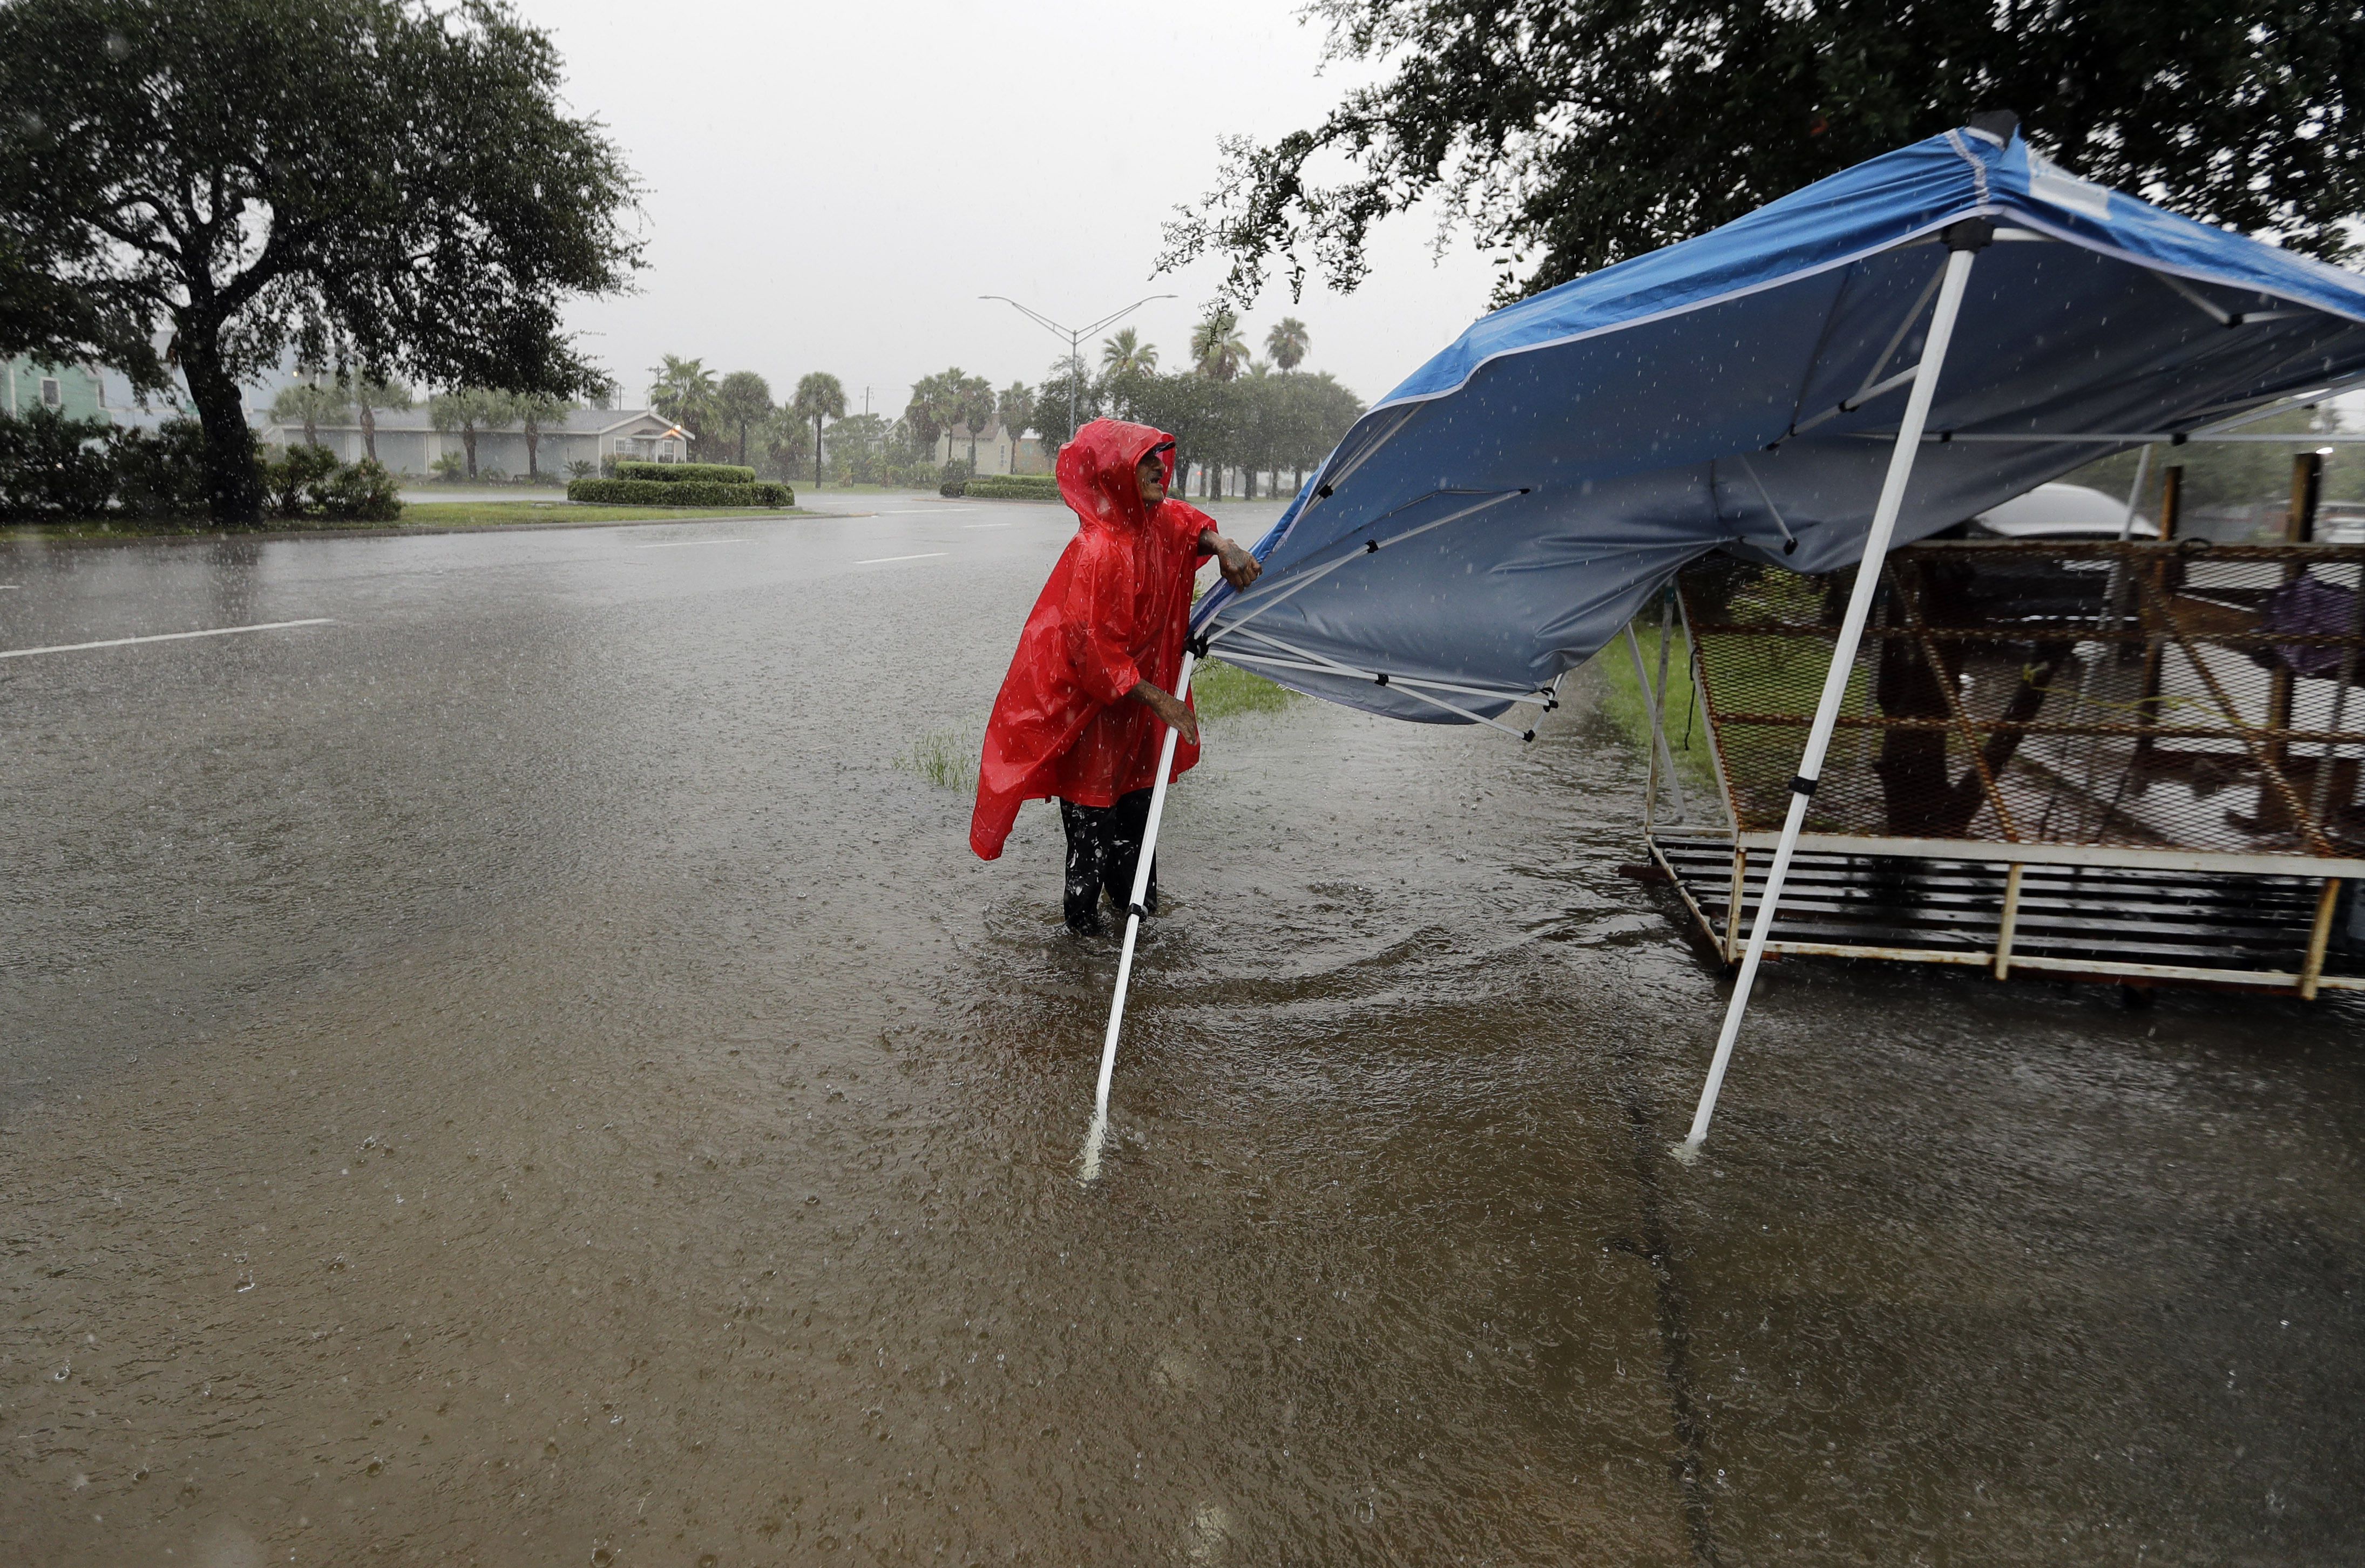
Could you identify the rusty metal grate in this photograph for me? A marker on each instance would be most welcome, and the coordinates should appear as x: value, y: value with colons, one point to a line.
x: 2176, y: 697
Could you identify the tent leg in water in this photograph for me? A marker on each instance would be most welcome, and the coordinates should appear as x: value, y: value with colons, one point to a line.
x: 1964, y: 241
x: 1099, y: 1130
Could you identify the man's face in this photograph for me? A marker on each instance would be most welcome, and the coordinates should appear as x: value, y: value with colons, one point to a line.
x: 1150, y: 475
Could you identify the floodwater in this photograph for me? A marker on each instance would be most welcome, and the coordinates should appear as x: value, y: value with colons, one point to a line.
x: 518, y: 1075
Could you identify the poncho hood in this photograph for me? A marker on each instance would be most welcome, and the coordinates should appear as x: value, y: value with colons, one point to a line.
x: 1096, y: 472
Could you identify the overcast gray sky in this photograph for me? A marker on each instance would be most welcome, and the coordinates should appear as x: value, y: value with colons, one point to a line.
x: 832, y: 187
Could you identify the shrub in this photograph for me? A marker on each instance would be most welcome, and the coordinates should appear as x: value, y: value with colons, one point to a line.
x: 953, y: 487
x: 1014, y: 488
x: 660, y: 493
x: 291, y: 485
x: 688, y: 472
x: 581, y: 469
x: 52, y: 466
x: 161, y: 473
x: 451, y: 467
x: 363, y: 492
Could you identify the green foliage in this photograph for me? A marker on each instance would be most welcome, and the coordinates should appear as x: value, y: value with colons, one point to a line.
x: 397, y: 182
x: 1067, y: 386
x: 687, y: 473
x: 1219, y: 690
x: 470, y: 409
x: 684, y: 392
x: 160, y: 475
x: 1271, y: 422
x: 691, y: 493
x: 946, y: 758
x: 948, y: 398
x: 536, y: 411
x: 1015, y: 408
x: 57, y: 469
x: 953, y: 479
x: 581, y: 469
x: 1626, y: 706
x: 1127, y: 354
x: 451, y: 467
x: 1572, y: 134
x: 310, y: 404
x: 742, y: 403
x: 292, y: 481
x: 362, y: 492
x: 818, y: 396
x: 1287, y: 342
x: 1012, y: 487
x: 1217, y: 350
x: 52, y: 466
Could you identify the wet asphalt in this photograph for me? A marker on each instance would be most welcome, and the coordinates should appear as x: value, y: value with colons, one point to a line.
x: 514, y: 1072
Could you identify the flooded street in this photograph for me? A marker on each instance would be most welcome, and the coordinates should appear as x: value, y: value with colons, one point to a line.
x: 516, y: 1073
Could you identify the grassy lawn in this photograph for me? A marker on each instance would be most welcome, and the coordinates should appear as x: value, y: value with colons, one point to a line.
x: 1218, y: 691
x: 1627, y: 708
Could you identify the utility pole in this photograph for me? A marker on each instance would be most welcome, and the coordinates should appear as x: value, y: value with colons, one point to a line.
x: 1075, y: 336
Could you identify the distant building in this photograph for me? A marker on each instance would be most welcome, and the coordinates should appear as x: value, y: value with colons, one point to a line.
x: 73, y: 390
x: 409, y: 442
x: 997, y: 450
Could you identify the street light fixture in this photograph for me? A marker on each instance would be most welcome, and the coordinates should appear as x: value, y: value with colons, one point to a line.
x: 1075, y: 336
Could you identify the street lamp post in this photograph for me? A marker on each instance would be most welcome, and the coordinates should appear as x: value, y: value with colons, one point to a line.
x: 1075, y: 336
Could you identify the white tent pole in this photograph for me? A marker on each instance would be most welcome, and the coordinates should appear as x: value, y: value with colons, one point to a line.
x: 1134, y: 910
x: 1963, y: 240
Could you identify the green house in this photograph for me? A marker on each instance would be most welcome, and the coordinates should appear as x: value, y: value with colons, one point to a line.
x: 73, y: 390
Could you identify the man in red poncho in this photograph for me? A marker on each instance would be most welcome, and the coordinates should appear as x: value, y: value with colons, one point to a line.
x: 1085, y: 710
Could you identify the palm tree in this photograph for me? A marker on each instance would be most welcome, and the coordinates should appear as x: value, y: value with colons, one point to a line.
x: 310, y: 402
x: 684, y: 392
x: 470, y: 409
x: 1287, y: 342
x: 368, y: 394
x: 534, y: 411
x: 819, y: 395
x: 1216, y: 348
x: 974, y: 398
x: 1016, y: 411
x: 744, y: 399
x: 1127, y: 354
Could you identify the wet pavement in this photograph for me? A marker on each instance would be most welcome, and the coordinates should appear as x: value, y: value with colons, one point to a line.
x: 517, y: 1074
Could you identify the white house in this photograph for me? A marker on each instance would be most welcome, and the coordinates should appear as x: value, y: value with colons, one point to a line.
x: 998, y: 452
x: 408, y: 443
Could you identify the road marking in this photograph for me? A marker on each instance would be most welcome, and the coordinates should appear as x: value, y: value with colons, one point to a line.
x: 165, y: 637
x: 678, y: 544
x: 985, y: 525
x: 882, y: 560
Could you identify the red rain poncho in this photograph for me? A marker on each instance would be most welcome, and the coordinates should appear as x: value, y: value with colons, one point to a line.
x: 1114, y: 614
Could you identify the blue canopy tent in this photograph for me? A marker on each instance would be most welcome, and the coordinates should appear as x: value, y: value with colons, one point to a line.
x: 1875, y: 357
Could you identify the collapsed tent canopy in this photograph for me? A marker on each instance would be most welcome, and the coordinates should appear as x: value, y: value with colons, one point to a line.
x: 1497, y: 519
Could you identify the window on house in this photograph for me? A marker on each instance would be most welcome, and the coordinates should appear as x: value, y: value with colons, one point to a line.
x: 52, y: 395
x: 669, y: 452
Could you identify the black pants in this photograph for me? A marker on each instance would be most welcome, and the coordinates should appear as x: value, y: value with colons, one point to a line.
x: 1104, y: 848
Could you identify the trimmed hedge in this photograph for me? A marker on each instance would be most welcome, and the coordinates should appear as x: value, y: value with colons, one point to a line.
x: 1014, y: 488
x: 657, y: 493
x: 688, y: 472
